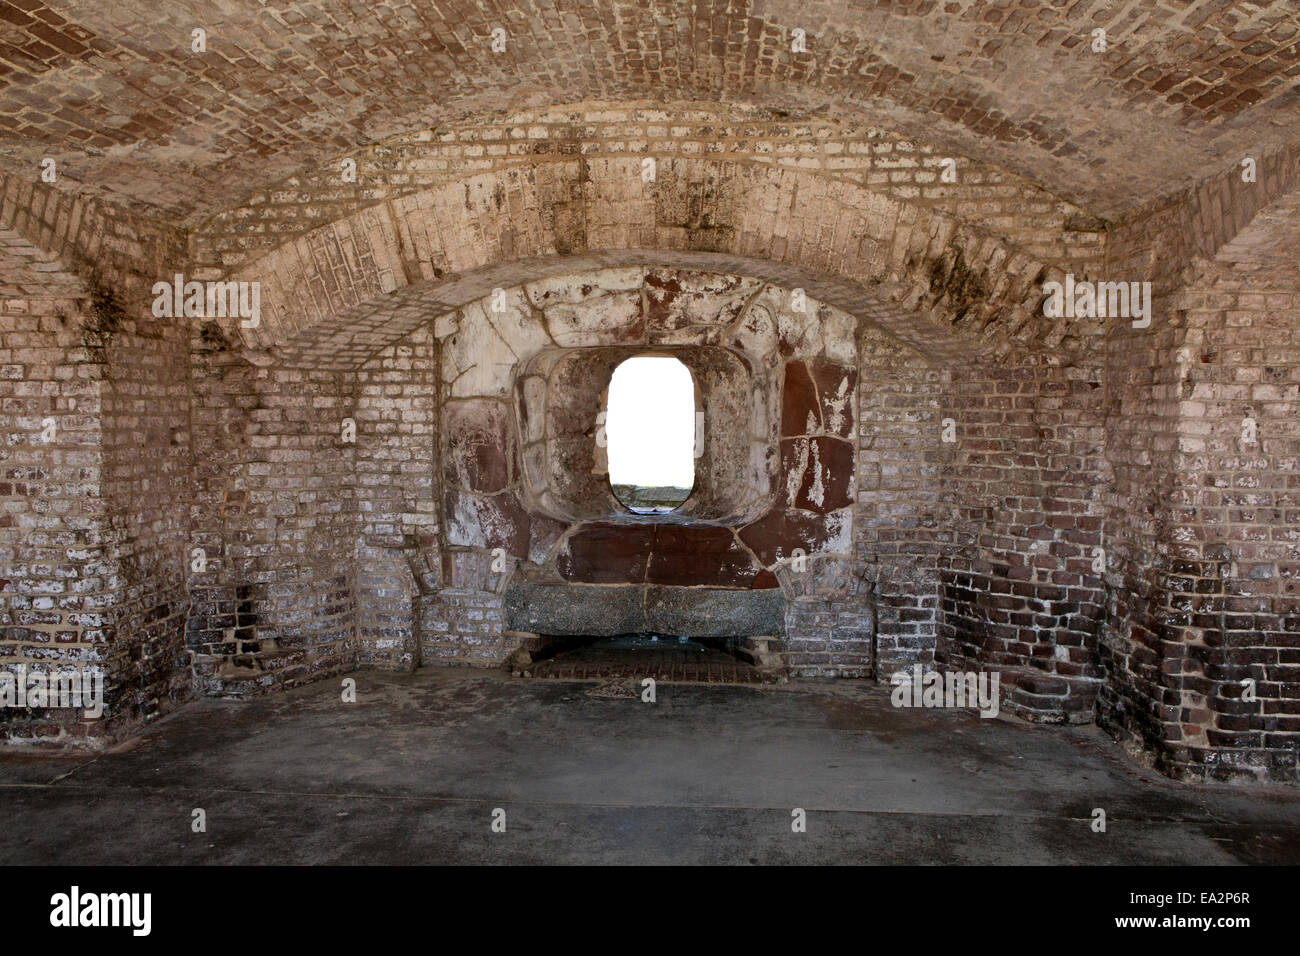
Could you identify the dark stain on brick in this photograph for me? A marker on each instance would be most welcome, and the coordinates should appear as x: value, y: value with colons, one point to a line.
x: 104, y: 319
x: 953, y: 282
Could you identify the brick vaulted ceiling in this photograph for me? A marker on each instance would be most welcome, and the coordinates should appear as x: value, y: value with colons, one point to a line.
x: 111, y: 89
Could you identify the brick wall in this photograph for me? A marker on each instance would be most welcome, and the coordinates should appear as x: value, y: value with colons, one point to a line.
x: 1176, y: 394
x: 898, y: 527
x: 275, y: 511
x: 1021, y: 484
x: 124, y: 380
x: 313, y: 543
x: 56, y: 565
x: 145, y: 424
x: 1234, y: 572
x: 398, y: 555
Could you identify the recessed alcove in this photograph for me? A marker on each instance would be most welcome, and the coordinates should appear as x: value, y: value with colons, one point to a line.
x: 660, y: 657
x: 562, y: 403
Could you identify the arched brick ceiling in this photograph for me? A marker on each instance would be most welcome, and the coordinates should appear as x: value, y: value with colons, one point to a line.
x: 1265, y: 251
x: 26, y: 271
x: 347, y: 338
x: 917, y: 262
x: 113, y: 91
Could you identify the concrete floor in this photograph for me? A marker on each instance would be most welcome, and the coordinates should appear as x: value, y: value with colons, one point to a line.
x: 412, y: 772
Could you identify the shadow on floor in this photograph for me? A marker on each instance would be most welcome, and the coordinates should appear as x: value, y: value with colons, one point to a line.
x: 671, y: 659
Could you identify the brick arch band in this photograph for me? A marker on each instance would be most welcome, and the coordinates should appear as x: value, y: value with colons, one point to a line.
x: 954, y: 289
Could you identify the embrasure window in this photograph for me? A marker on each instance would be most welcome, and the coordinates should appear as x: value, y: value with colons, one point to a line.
x: 650, y: 432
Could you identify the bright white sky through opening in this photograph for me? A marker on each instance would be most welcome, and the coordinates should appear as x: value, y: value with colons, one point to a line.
x: 650, y: 428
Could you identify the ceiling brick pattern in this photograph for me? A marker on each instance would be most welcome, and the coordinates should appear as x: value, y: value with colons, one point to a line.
x: 116, y: 94
x: 580, y: 136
